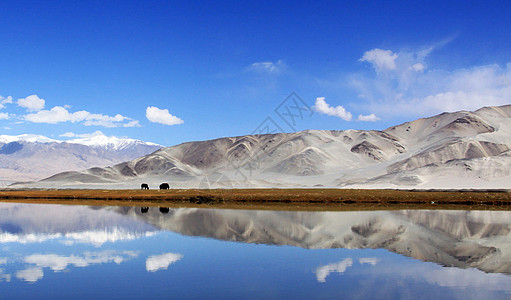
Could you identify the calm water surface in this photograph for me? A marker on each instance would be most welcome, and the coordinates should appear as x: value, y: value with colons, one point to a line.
x: 83, y: 252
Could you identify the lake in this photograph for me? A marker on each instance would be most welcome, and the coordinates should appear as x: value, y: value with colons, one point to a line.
x: 89, y: 252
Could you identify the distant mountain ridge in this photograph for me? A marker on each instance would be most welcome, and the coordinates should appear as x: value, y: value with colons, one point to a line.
x: 97, y: 141
x: 30, y: 157
x: 451, y: 150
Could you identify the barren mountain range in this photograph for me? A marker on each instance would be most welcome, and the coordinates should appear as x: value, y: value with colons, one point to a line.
x: 451, y: 150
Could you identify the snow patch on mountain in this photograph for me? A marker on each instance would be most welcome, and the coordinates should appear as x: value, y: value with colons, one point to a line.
x: 31, y: 138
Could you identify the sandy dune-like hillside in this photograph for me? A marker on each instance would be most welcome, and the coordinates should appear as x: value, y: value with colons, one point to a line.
x: 451, y: 150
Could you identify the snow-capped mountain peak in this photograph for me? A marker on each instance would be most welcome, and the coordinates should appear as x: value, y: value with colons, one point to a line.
x: 109, y: 142
x: 95, y: 140
x: 31, y: 138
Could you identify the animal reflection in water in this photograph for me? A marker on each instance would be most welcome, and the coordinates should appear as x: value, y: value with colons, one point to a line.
x: 163, y: 210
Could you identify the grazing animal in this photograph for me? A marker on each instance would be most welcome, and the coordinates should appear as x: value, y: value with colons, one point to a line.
x: 164, y: 210
x: 144, y: 186
x: 144, y: 209
x: 164, y: 186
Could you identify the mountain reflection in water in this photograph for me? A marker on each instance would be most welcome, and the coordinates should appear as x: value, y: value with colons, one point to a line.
x: 35, y: 239
x: 466, y: 239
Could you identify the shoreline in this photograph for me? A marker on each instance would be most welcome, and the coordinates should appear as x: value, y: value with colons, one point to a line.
x: 277, y: 199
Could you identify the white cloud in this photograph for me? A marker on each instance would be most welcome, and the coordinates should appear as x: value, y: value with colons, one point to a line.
x: 133, y: 123
x: 268, y: 67
x: 324, y: 108
x: 162, y: 116
x: 30, y: 275
x: 323, y: 271
x: 83, y: 135
x: 411, y: 87
x: 3, y: 260
x: 380, y: 59
x: 56, y: 115
x: 31, y: 103
x: 69, y: 134
x: 419, y: 67
x: 368, y: 118
x: 4, y: 116
x: 60, y: 114
x: 161, y: 262
x: 4, y: 100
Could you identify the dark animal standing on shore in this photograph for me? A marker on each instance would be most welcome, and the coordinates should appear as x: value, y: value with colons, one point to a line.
x: 164, y: 186
x: 144, y: 186
x: 164, y: 210
x: 144, y: 210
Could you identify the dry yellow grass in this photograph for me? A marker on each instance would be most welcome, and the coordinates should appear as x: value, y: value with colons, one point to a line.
x: 288, y: 199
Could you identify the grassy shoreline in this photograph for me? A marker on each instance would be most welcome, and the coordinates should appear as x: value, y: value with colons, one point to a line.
x: 279, y: 199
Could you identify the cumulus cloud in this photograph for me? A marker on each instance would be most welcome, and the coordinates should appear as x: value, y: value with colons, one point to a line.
x: 161, y: 262
x: 4, y: 116
x: 31, y: 103
x: 410, y: 86
x: 162, y: 116
x: 324, y: 108
x: 59, y: 114
x: 5, y: 100
x: 380, y: 59
x: 340, y: 267
x: 268, y: 67
x: 368, y: 118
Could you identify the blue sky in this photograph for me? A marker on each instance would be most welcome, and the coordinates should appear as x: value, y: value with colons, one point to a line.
x: 176, y: 71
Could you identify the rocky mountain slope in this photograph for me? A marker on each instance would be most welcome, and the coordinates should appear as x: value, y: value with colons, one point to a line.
x: 33, y: 157
x: 451, y: 150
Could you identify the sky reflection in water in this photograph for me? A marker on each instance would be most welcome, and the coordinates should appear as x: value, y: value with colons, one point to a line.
x: 54, y: 251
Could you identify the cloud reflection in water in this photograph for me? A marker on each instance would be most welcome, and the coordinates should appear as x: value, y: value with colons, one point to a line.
x: 161, y: 262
